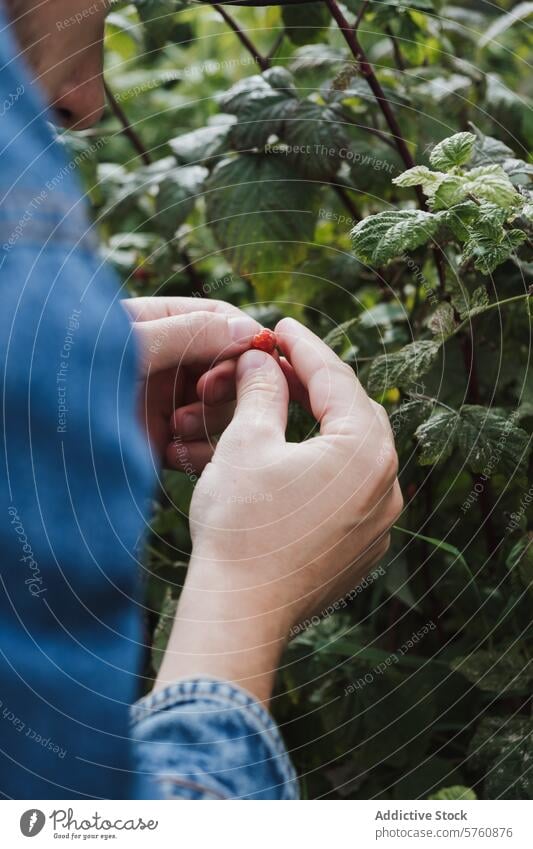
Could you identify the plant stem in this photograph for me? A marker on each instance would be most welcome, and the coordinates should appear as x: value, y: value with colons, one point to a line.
x: 263, y: 61
x: 127, y: 129
x: 360, y: 15
x: 350, y: 36
x: 398, y: 58
x: 347, y: 201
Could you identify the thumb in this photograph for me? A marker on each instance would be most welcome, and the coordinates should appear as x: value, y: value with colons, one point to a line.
x: 262, y: 402
x: 192, y: 338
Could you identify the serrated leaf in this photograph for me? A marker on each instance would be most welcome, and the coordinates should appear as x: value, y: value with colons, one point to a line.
x: 402, y: 368
x: 176, y: 197
x: 201, y: 145
x: 436, y: 437
x: 492, y: 184
x: 503, y: 748
x: 442, y: 321
x: 382, y: 237
x: 453, y: 151
x: 316, y: 138
x: 406, y: 418
x: 260, y: 104
x: 496, y: 672
x: 261, y: 215
x: 420, y: 175
x: 450, y: 192
x: 459, y: 217
x: 338, y: 337
x: 487, y: 440
x: 488, y: 249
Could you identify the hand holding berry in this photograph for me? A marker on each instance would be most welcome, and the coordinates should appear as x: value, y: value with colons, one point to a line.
x: 281, y: 529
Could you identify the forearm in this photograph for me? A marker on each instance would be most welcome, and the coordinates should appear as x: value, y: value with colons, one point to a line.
x: 223, y: 633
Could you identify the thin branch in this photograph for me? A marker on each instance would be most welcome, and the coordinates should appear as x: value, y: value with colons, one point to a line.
x: 360, y: 15
x: 263, y: 61
x: 347, y: 201
x: 398, y: 58
x: 272, y: 52
x: 127, y: 129
x: 375, y: 86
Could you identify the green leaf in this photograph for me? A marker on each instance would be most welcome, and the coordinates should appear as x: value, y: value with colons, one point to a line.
x: 496, y: 672
x: 200, y: 146
x: 487, y: 440
x: 420, y: 175
x: 450, y: 192
x: 176, y: 197
x: 436, y: 437
x: 452, y: 794
x: 382, y: 237
x: 453, y: 151
x: 305, y: 22
x: 260, y: 104
x: 406, y: 418
x: 403, y: 368
x: 316, y: 138
x: 260, y: 214
x: 488, y: 249
x: 442, y: 321
x: 503, y: 749
x: 491, y: 183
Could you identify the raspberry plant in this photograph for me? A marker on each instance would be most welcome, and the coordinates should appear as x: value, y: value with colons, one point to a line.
x: 241, y: 148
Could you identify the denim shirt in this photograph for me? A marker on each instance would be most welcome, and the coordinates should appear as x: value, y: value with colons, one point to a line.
x: 76, y: 481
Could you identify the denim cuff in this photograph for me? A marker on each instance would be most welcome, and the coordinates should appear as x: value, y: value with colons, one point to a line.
x: 205, y: 738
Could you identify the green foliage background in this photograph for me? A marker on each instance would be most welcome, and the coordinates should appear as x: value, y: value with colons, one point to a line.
x: 421, y: 684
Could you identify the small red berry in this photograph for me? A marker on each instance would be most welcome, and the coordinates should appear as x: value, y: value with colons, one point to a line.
x: 265, y: 341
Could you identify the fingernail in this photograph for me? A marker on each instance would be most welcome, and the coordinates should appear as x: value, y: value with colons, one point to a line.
x: 242, y: 328
x: 188, y: 425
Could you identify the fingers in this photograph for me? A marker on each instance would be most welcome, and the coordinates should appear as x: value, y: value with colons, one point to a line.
x: 189, y: 457
x: 337, y: 399
x: 262, y: 402
x: 150, y: 309
x: 218, y: 384
x: 192, y: 338
x: 198, y: 421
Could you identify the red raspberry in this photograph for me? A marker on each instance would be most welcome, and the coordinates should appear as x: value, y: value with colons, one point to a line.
x: 265, y: 341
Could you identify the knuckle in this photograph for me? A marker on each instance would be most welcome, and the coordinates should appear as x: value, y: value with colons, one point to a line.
x: 197, y: 330
x: 396, y: 503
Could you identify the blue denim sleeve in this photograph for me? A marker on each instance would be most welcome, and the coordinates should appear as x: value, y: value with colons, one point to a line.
x: 209, y: 739
x: 75, y: 477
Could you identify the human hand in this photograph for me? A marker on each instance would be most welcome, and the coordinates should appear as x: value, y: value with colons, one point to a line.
x: 179, y: 340
x: 280, y: 530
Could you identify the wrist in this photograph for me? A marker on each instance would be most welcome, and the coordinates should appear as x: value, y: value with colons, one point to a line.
x: 224, y: 631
